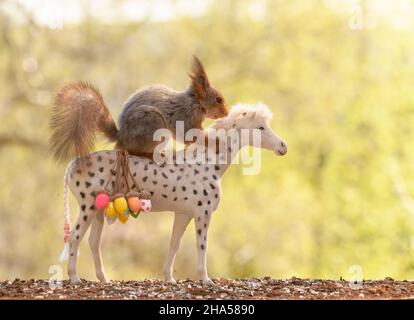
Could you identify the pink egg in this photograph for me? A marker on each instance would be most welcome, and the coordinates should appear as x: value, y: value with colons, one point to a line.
x: 101, y: 200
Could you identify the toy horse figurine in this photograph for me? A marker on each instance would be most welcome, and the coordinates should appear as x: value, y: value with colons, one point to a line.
x: 191, y: 190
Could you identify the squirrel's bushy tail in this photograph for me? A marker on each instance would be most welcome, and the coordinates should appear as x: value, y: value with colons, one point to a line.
x: 79, y: 112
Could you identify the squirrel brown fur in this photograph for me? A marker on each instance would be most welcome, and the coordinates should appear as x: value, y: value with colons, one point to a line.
x: 80, y: 111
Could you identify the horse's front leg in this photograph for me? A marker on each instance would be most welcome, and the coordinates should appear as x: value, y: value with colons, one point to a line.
x: 95, y: 237
x: 202, y: 222
x: 181, y: 221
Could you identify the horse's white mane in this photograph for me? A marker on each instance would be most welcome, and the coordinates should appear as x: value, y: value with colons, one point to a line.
x: 258, y: 111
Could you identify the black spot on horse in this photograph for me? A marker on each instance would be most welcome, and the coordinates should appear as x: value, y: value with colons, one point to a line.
x: 113, y: 172
x: 101, y: 169
x: 183, y: 188
x: 178, y: 178
x: 206, y: 212
x: 199, y: 232
x: 214, y: 177
x: 202, y: 247
x: 99, y: 158
x: 205, y: 192
x: 145, y: 178
x: 212, y: 186
x: 199, y: 203
x: 83, y: 207
x: 164, y: 195
x: 164, y: 175
x: 165, y: 185
x: 88, y: 184
x: 155, y: 172
x: 85, y: 218
x: 111, y: 161
x: 77, y: 226
x: 216, y: 167
x: 92, y: 207
x: 175, y: 199
x: 91, y: 174
x: 77, y: 183
x: 82, y: 194
x: 155, y: 182
x: 173, y: 189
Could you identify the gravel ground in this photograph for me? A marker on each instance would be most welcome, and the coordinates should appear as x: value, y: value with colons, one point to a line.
x: 253, y: 288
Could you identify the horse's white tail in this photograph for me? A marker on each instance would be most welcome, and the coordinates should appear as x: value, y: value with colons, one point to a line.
x: 66, y: 214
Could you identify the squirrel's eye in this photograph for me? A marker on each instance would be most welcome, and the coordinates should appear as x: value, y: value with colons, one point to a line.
x: 261, y: 128
x: 219, y: 100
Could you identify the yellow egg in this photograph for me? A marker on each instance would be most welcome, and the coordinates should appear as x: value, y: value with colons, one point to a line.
x: 122, y: 217
x: 110, y: 210
x: 120, y: 205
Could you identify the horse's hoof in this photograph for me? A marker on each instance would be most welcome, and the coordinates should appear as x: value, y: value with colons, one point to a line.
x: 208, y: 282
x: 170, y: 280
x: 75, y: 280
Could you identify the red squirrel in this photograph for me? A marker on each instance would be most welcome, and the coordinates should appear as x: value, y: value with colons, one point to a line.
x: 80, y: 111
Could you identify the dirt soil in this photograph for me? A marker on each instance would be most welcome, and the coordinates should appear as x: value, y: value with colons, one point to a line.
x: 253, y: 288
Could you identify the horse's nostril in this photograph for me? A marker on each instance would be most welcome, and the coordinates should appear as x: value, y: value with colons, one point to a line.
x: 283, y: 144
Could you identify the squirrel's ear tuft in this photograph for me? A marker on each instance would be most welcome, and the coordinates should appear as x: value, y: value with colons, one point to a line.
x: 199, y: 79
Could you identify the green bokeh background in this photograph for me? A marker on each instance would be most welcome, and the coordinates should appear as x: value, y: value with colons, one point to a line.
x: 342, y: 98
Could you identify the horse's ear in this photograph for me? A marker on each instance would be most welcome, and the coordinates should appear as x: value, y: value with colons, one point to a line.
x: 199, y: 79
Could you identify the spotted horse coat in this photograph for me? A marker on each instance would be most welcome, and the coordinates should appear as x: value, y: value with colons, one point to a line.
x: 191, y: 190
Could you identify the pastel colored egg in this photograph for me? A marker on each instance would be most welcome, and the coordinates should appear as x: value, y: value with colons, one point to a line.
x: 120, y: 205
x: 146, y: 205
x: 101, y: 200
x: 134, y: 204
x: 110, y: 210
x: 123, y: 217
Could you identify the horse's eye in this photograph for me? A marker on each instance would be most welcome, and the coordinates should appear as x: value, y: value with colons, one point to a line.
x: 261, y: 128
x: 219, y: 100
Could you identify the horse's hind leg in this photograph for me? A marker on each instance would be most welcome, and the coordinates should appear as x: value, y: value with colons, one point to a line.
x: 181, y: 221
x: 95, y: 237
x: 86, y: 215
